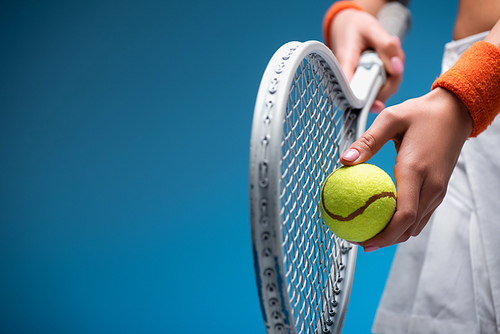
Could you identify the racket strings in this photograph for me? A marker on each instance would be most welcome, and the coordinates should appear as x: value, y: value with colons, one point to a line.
x: 316, y: 119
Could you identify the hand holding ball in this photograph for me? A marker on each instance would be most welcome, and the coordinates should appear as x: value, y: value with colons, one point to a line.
x: 357, y: 202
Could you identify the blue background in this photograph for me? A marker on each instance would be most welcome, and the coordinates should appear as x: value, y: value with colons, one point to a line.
x: 124, y: 133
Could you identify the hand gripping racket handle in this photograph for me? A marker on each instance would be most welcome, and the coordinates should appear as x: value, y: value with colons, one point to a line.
x: 370, y: 74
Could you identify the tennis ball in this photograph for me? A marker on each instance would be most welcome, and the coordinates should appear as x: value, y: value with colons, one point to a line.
x: 357, y: 202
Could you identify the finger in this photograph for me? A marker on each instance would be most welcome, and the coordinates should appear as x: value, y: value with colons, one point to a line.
x: 422, y: 224
x: 390, y: 87
x: 395, y: 70
x: 397, y: 58
x: 416, y: 229
x: 384, y: 128
x: 418, y: 197
x: 377, y: 106
x: 348, y: 61
x: 431, y: 196
x: 393, y: 59
x: 397, y: 64
x: 401, y: 224
x: 413, y: 231
x: 389, y: 50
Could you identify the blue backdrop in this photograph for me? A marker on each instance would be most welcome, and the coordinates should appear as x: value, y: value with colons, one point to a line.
x: 124, y: 133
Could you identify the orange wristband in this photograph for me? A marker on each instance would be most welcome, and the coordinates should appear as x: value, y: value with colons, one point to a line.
x: 330, y: 14
x: 475, y: 79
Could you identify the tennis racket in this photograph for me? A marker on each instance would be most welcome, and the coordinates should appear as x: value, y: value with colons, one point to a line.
x: 306, y: 114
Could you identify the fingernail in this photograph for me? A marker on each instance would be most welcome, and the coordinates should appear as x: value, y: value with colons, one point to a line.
x: 369, y: 249
x: 397, y: 65
x: 351, y: 155
x: 376, y: 108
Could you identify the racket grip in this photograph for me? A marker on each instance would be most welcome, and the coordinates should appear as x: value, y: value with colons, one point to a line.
x: 395, y: 18
x: 370, y: 74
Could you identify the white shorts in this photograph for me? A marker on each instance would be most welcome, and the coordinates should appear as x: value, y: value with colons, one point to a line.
x: 447, y: 280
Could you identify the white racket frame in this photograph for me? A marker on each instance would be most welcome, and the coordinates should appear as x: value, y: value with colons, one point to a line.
x: 265, y: 174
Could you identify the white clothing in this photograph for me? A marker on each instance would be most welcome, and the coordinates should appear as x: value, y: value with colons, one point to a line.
x: 447, y: 280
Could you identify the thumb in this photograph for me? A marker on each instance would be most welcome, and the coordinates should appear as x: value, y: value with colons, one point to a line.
x: 361, y: 150
x: 380, y: 132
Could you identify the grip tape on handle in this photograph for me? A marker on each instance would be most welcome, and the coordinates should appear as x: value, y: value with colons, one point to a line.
x: 395, y: 18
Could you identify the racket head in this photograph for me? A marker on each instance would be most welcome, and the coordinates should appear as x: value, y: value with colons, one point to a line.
x: 305, y: 117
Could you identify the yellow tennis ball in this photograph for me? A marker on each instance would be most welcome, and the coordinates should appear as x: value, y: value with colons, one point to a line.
x: 357, y: 202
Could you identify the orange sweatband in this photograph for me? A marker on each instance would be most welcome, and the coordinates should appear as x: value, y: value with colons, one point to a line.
x: 330, y: 14
x: 475, y: 79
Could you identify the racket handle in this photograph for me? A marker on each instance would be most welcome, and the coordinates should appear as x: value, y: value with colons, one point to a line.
x: 395, y: 18
x: 370, y: 74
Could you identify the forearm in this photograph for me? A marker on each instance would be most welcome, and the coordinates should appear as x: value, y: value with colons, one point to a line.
x: 475, y: 16
x: 494, y: 35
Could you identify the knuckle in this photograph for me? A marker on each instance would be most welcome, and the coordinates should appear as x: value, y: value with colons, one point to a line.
x: 438, y: 188
x: 411, y: 168
x: 435, y: 187
x: 373, y: 24
x: 408, y: 217
x: 367, y: 141
x: 392, y: 116
x: 405, y: 236
x: 416, y: 232
x: 387, y: 45
x: 419, y: 169
x: 396, y: 118
x: 390, y: 46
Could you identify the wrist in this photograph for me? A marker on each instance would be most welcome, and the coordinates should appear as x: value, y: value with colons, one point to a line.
x: 475, y: 79
x: 332, y: 12
x: 462, y: 120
